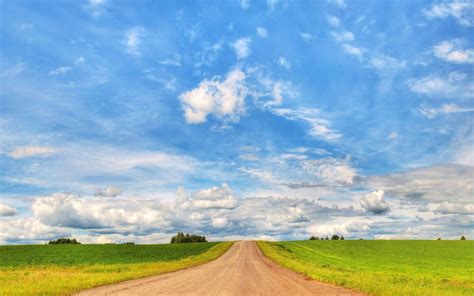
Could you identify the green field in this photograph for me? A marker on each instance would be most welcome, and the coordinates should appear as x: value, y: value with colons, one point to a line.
x: 382, y: 267
x: 42, y: 269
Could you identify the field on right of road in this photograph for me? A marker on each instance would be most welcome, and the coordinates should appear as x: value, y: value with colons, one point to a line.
x: 382, y: 267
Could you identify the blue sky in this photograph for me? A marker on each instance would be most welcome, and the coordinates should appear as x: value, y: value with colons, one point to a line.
x: 272, y: 119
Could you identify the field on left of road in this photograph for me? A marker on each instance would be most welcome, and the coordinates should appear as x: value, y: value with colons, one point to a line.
x: 65, y: 269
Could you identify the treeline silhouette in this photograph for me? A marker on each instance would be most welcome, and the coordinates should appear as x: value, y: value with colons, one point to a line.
x: 333, y: 237
x: 187, y: 238
x: 64, y: 240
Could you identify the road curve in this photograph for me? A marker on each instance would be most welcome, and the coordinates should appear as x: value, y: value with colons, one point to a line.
x: 242, y: 270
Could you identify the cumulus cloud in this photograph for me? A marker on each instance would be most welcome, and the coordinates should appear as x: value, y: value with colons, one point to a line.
x: 225, y: 99
x: 452, y: 51
x: 132, y: 40
x: 242, y: 47
x: 31, y: 151
x: 111, y: 191
x: 431, y: 112
x: 455, y: 86
x: 214, y: 198
x: 331, y: 170
x: 436, y: 183
x: 7, y: 210
x: 461, y: 10
x: 262, y: 32
x: 374, y: 202
x: 28, y: 230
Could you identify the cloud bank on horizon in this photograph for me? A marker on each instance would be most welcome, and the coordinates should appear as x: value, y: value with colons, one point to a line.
x: 236, y: 119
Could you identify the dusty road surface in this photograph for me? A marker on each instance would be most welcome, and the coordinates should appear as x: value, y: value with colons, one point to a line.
x: 242, y: 270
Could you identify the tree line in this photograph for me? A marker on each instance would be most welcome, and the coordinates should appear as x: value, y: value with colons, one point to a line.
x: 187, y: 238
x: 333, y: 237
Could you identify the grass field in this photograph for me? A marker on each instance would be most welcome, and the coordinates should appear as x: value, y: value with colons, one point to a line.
x: 382, y: 267
x: 42, y: 269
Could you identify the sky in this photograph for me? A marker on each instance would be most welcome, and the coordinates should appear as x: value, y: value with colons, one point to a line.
x: 132, y: 120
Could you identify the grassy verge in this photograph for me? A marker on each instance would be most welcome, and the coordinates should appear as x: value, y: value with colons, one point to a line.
x: 64, y: 279
x: 382, y: 267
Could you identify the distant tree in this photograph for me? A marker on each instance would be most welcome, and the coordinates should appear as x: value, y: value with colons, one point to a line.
x: 128, y: 243
x: 335, y: 237
x: 63, y: 240
x: 314, y: 238
x: 438, y: 238
x: 187, y: 238
x: 342, y: 238
x: 327, y: 238
x: 463, y: 237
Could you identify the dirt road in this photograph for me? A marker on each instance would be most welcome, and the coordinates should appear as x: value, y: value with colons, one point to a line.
x: 242, y: 270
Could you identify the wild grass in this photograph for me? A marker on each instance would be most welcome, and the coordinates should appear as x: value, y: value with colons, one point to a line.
x: 36, y: 270
x: 382, y: 267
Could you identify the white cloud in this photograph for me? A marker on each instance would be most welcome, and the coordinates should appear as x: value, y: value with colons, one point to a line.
x: 392, y: 136
x: 271, y: 4
x: 28, y: 230
x: 352, y: 50
x: 60, y: 70
x: 436, y: 183
x: 455, y: 86
x: 79, y: 61
x: 461, y: 11
x: 132, y: 40
x: 262, y: 32
x: 319, y: 127
x: 219, y: 222
x: 333, y: 21
x: 96, y: 7
x: 452, y: 51
x: 223, y: 99
x: 242, y: 47
x: 16, y: 69
x: 431, y: 112
x: 374, y: 202
x: 284, y: 63
x: 111, y: 191
x: 340, y: 3
x: 347, y: 228
x: 31, y: 151
x: 343, y: 36
x: 331, y: 170
x: 263, y: 175
x: 306, y: 36
x: 383, y: 62
x: 245, y: 4
x: 455, y: 208
x: 249, y: 157
x: 7, y: 210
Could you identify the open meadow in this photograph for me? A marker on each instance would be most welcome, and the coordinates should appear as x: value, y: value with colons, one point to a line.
x: 382, y: 267
x: 65, y: 269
